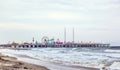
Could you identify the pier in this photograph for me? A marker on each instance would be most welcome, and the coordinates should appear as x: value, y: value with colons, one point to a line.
x: 56, y: 45
x: 51, y: 42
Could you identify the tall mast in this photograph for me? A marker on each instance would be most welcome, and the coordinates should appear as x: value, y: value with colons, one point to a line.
x: 33, y: 40
x: 73, y: 35
x: 65, y: 35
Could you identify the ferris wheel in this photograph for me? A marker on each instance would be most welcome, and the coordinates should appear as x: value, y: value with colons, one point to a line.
x: 45, y: 40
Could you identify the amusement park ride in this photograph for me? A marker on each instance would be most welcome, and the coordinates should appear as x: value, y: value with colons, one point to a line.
x: 46, y: 40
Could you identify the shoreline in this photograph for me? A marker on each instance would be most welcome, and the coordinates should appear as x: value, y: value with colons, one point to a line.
x: 49, y: 65
x: 12, y: 63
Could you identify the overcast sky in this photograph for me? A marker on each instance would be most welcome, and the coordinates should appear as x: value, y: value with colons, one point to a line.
x: 93, y: 20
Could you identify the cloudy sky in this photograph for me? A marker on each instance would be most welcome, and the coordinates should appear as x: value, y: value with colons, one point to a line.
x: 93, y: 20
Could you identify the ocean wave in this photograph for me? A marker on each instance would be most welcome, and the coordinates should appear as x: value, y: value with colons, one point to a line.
x: 69, y: 56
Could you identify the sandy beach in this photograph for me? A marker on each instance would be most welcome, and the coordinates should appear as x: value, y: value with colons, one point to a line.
x: 11, y: 63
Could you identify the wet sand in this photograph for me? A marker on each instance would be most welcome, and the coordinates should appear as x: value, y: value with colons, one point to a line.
x: 11, y: 63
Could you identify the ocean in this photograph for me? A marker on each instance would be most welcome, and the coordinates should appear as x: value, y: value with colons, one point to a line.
x: 71, y: 56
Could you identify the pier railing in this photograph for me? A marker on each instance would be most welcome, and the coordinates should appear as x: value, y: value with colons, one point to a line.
x: 55, y: 45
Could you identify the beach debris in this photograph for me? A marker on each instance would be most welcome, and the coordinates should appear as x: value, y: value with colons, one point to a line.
x: 25, y: 68
x: 103, y: 67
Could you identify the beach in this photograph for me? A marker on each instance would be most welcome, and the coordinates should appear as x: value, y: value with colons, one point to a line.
x: 14, y: 61
x: 11, y: 63
x: 57, y: 59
